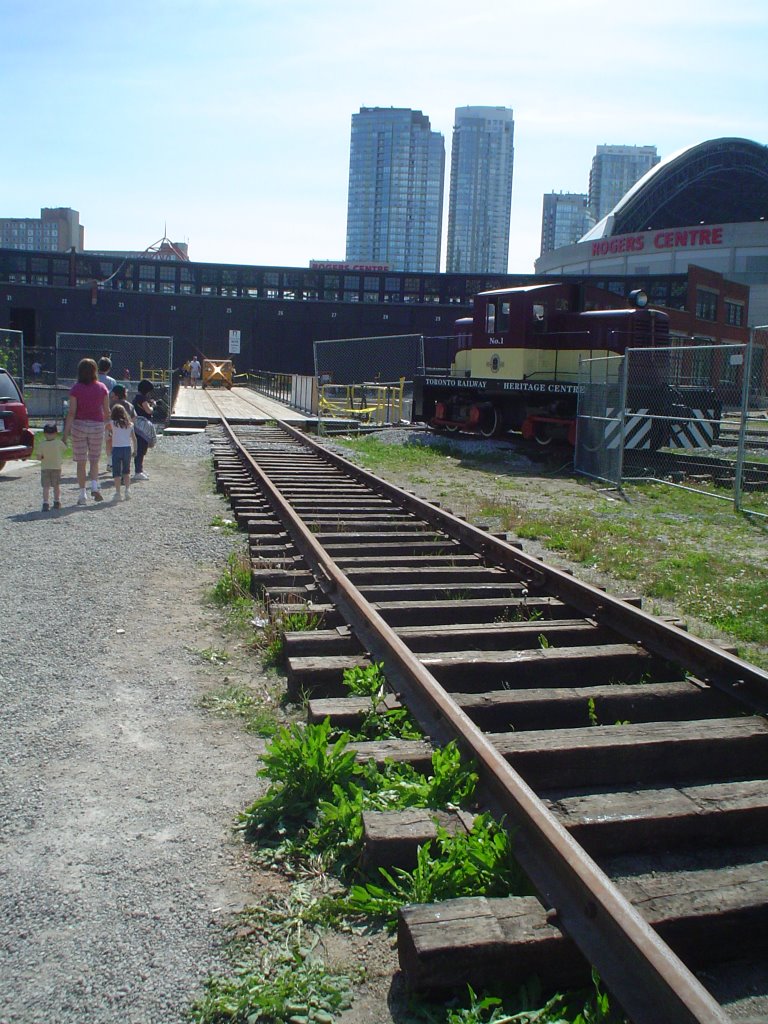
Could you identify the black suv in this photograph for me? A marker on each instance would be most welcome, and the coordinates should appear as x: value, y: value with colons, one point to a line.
x: 16, y: 439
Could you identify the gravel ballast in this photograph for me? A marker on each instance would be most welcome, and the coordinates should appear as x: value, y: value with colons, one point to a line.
x: 118, y: 795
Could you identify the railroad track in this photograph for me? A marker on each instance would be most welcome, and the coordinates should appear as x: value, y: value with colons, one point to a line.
x: 707, y: 467
x: 646, y: 840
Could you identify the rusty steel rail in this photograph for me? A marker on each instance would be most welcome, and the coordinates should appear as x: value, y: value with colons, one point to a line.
x: 649, y: 979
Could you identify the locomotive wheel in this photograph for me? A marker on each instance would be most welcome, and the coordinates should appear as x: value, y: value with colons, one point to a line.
x: 590, y: 438
x: 490, y: 423
x: 451, y: 428
x: 542, y: 435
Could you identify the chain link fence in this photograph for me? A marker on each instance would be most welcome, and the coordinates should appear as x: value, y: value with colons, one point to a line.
x: 134, y: 357
x: 368, y: 378
x: 680, y: 415
x: 12, y: 354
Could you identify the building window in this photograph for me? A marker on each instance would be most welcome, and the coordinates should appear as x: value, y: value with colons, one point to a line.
x: 706, y: 305
x: 734, y: 313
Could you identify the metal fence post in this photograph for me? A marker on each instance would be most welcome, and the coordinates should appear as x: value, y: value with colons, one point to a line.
x: 738, y: 472
x: 623, y: 428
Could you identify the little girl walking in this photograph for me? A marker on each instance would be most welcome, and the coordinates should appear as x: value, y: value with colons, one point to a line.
x: 123, y: 445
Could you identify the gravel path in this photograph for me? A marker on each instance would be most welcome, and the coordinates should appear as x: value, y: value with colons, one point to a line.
x: 117, y: 862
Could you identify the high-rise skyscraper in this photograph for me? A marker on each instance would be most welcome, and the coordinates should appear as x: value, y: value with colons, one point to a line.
x: 396, y: 178
x: 564, y: 219
x: 615, y: 169
x: 482, y: 157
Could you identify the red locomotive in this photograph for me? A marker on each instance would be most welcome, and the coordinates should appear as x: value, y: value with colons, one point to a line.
x: 515, y: 364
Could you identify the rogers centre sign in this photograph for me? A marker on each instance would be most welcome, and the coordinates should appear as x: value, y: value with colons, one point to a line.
x: 344, y: 265
x: 677, y: 238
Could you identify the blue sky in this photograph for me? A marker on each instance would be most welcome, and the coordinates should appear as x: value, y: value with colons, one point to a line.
x: 229, y: 120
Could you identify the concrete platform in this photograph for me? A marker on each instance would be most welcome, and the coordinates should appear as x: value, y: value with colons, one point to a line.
x: 195, y: 406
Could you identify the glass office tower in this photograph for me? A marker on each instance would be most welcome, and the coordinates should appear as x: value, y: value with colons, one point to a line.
x: 615, y: 169
x: 482, y: 158
x: 564, y: 219
x: 396, y: 178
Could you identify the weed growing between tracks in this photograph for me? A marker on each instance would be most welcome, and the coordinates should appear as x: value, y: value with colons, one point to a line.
x: 271, y: 640
x: 379, y: 721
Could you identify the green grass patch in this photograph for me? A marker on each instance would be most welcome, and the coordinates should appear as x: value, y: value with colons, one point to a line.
x: 476, y: 863
x: 274, y: 978
x: 672, y: 545
x: 525, y: 1005
x: 214, y: 656
x: 372, y: 451
x: 271, y: 639
x: 318, y: 792
x: 232, y: 591
x: 225, y: 524
x: 235, y: 701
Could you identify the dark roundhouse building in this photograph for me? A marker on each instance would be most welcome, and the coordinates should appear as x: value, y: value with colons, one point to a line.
x: 279, y: 311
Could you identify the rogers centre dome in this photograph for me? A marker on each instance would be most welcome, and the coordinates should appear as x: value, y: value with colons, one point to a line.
x: 706, y: 205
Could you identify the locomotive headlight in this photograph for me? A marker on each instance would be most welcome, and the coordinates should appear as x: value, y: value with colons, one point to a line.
x: 638, y: 298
